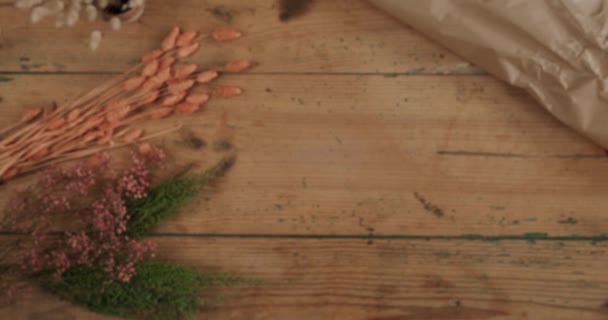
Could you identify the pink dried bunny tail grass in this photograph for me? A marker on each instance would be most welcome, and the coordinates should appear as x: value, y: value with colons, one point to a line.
x: 104, y: 117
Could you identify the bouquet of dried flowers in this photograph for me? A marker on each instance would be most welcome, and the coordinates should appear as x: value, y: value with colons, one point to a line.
x: 101, y: 262
x: 110, y: 115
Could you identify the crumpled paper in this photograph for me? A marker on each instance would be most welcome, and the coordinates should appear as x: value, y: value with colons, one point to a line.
x: 555, y: 49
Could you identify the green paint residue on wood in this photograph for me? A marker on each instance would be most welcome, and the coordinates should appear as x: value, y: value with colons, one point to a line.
x: 589, y: 284
x: 533, y: 236
x: 6, y: 79
x: 442, y: 254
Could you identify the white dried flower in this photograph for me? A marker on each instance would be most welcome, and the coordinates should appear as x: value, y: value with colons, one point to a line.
x: 54, y: 6
x: 23, y: 4
x: 91, y: 11
x: 60, y: 20
x: 35, y: 16
x: 76, y: 6
x: 38, y: 13
x: 102, y: 3
x: 136, y: 3
x: 95, y: 40
x: 71, y: 17
x: 115, y: 23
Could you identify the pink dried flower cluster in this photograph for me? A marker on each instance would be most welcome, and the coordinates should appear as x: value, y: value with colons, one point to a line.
x: 92, y: 201
x: 9, y: 289
x: 135, y: 180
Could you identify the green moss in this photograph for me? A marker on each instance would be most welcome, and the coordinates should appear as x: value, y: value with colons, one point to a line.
x: 157, y: 291
x: 164, y: 200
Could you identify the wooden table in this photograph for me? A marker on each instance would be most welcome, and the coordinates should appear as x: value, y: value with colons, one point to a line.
x: 379, y: 176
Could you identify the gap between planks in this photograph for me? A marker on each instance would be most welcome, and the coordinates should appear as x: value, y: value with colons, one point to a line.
x: 414, y: 72
x: 531, y: 237
x: 528, y: 237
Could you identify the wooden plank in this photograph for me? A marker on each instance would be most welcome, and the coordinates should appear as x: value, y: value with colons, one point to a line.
x: 353, y: 155
x: 386, y: 280
x: 361, y: 154
x: 453, y: 116
x: 335, y: 36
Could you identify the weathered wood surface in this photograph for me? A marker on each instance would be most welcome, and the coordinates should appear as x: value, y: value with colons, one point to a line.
x: 387, y: 279
x: 409, y: 155
x: 374, y: 179
x: 338, y: 36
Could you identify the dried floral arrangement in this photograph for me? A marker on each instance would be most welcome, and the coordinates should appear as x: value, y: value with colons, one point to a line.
x: 67, y: 13
x: 102, y: 262
x: 111, y: 114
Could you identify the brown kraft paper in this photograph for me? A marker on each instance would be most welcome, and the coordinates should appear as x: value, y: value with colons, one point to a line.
x: 555, y: 49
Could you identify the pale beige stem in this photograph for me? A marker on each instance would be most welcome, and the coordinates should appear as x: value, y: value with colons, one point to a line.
x: 81, y: 154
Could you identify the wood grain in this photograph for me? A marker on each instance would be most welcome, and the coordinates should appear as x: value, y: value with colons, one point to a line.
x: 379, y: 177
x: 338, y: 36
x: 386, y: 280
x: 423, y: 155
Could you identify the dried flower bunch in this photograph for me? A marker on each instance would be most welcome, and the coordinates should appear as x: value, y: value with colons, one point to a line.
x: 110, y: 115
x: 91, y: 199
x: 67, y: 12
x: 101, y: 262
